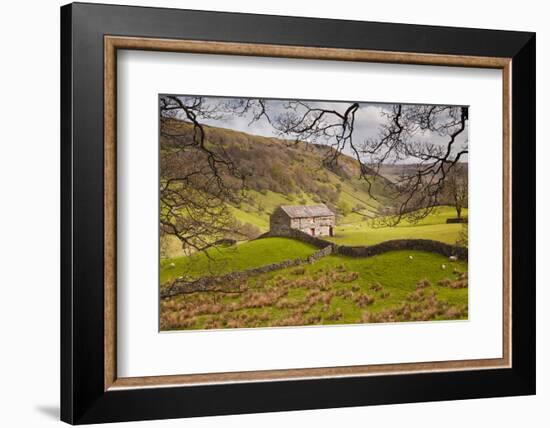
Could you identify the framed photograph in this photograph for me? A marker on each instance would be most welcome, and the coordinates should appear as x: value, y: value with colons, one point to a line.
x: 266, y: 213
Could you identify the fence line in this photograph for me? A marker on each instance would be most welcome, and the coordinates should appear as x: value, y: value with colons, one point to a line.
x: 230, y: 282
x: 447, y: 250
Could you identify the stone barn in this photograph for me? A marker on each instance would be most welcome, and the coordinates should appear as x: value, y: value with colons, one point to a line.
x: 315, y: 220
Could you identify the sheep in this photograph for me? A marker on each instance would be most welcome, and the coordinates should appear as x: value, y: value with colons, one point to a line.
x: 411, y: 257
x: 443, y: 266
x: 453, y: 258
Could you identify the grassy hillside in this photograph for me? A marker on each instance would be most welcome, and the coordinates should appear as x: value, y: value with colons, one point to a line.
x: 393, y: 172
x: 234, y: 258
x: 432, y: 227
x: 280, y: 172
x: 265, y: 251
x: 396, y: 286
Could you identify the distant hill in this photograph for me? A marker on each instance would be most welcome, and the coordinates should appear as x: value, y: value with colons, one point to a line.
x: 394, y: 171
x: 282, y: 172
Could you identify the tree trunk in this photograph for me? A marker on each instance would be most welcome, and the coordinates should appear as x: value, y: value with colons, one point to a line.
x: 458, y: 211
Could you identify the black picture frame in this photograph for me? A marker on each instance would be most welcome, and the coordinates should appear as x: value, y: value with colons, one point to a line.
x: 83, y: 398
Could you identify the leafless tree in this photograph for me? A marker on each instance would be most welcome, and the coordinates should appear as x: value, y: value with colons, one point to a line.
x: 257, y: 108
x: 198, y: 180
x: 456, y: 189
x: 311, y: 123
x: 406, y: 134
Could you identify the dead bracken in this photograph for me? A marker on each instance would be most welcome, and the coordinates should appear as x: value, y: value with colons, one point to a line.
x: 299, y: 298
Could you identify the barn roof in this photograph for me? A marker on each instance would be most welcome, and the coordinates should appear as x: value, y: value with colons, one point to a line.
x: 298, y: 211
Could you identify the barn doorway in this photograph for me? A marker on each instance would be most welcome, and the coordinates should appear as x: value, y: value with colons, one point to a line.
x: 312, y: 230
x: 330, y: 232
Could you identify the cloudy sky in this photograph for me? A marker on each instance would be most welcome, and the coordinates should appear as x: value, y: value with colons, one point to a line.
x: 368, y: 120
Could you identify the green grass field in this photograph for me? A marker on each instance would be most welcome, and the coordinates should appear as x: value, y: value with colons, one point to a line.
x: 432, y: 227
x: 356, y: 231
x: 334, y: 290
x: 392, y: 287
x: 269, y: 201
x: 234, y: 258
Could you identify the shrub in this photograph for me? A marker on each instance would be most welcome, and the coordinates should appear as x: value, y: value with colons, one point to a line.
x: 312, y: 319
x: 348, y: 277
x: 291, y: 320
x: 423, y: 283
x: 344, y: 294
x: 326, y: 298
x: 462, y: 240
x: 384, y: 294
x: 363, y: 300
x: 461, y: 283
x: 344, y: 208
x: 376, y: 286
x: 445, y: 282
x: 454, y: 313
x: 298, y: 271
x: 416, y: 296
x: 359, y: 208
x: 336, y: 315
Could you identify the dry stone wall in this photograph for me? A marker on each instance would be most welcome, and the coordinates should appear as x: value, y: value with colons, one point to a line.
x: 429, y: 245
x: 232, y: 281
x: 406, y: 244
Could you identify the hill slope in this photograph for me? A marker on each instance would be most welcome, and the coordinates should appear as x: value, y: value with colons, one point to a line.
x: 282, y: 172
x: 287, y: 172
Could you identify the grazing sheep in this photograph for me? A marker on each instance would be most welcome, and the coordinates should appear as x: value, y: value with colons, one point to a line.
x: 411, y: 257
x: 172, y: 265
x: 453, y: 258
x: 443, y: 266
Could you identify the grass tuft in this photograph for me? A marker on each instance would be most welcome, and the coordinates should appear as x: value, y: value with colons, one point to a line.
x: 333, y: 290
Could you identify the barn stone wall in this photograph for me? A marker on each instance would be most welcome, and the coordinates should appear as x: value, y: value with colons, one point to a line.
x: 302, y: 236
x: 321, y: 225
x: 280, y: 223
